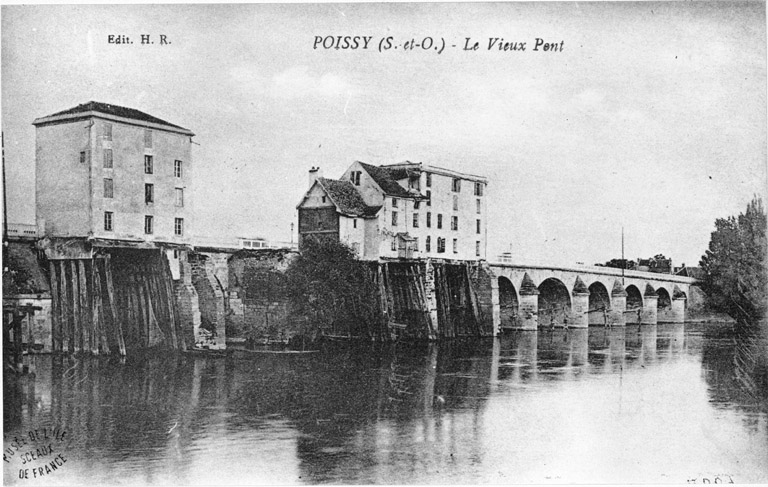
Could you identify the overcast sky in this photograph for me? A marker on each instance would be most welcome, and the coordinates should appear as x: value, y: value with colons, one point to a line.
x: 653, y: 116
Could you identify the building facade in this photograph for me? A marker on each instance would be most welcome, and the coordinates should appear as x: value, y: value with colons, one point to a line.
x: 407, y: 210
x: 110, y: 172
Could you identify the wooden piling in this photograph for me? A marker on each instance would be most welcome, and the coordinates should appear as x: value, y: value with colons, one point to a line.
x: 85, y: 312
x: 170, y: 296
x: 55, y: 307
x: 472, y: 299
x: 77, y: 337
x: 65, y: 305
x: 97, y: 326
x: 111, y: 296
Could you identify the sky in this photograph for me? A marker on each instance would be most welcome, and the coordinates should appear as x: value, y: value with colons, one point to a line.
x: 652, y: 117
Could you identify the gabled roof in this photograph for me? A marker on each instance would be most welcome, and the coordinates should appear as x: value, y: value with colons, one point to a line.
x: 384, y: 178
x: 346, y: 198
x: 106, y: 108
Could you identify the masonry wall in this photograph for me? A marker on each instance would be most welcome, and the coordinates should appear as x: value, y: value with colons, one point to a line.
x: 258, y: 302
x: 210, y: 296
x: 61, y: 185
x: 70, y: 194
x: 128, y: 175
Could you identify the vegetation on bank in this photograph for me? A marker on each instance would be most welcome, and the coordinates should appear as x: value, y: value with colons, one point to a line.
x: 333, y: 290
x: 735, y: 278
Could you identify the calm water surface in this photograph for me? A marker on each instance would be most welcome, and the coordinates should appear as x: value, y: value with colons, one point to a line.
x: 656, y: 404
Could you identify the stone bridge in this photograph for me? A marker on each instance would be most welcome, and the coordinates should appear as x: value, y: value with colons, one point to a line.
x: 526, y: 297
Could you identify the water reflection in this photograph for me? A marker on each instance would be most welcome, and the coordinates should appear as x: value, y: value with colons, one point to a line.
x: 583, y: 405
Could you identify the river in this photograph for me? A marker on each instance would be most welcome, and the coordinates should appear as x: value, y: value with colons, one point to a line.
x: 650, y: 404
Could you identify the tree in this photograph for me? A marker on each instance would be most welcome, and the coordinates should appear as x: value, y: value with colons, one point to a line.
x: 621, y: 264
x: 734, y: 269
x: 327, y: 284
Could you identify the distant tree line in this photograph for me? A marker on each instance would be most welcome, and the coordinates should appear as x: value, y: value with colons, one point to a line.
x: 657, y: 263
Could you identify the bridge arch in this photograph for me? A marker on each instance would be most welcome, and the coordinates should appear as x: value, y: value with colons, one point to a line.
x: 634, y: 297
x: 678, y: 293
x: 665, y: 300
x: 509, y: 304
x: 554, y: 301
x: 599, y: 300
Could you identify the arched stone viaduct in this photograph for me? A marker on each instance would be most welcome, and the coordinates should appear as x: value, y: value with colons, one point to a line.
x: 526, y: 297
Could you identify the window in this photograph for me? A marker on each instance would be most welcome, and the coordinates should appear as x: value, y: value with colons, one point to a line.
x: 177, y: 168
x: 455, y: 245
x: 149, y: 193
x: 440, y: 245
x: 479, y: 205
x: 148, y: 224
x: 107, y: 131
x: 454, y: 223
x: 429, y: 220
x: 477, y: 229
x: 108, y: 221
x: 429, y: 180
x: 394, y: 244
x: 456, y: 187
x: 324, y: 198
x: 354, y: 223
x: 415, y: 220
x: 416, y: 205
x: 455, y: 203
x: 394, y: 218
x: 148, y: 165
x: 108, y: 188
x: 394, y: 202
x: 82, y: 157
x: 108, y: 158
x: 354, y: 177
x: 428, y: 244
x: 478, y: 189
x: 178, y: 226
x: 429, y: 198
x: 439, y: 220
x: 416, y: 244
x: 147, y: 138
x: 477, y: 248
x: 179, y: 196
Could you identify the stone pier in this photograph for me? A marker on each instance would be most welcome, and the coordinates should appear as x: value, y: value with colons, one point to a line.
x: 529, y: 304
x: 617, y: 315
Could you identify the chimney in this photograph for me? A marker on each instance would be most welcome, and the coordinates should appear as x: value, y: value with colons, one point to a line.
x: 314, y: 173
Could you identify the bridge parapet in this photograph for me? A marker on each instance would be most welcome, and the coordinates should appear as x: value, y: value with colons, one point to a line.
x: 582, y: 295
x: 607, y: 271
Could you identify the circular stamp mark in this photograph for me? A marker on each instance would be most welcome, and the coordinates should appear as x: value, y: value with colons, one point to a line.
x: 37, y: 453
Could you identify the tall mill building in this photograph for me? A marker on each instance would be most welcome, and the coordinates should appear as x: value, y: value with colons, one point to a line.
x: 407, y: 210
x: 110, y: 172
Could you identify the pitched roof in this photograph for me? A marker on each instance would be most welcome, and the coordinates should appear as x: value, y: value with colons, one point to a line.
x: 346, y: 198
x: 384, y: 178
x: 118, y: 111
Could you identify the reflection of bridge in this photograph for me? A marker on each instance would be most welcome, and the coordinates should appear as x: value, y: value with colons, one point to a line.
x: 532, y: 296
